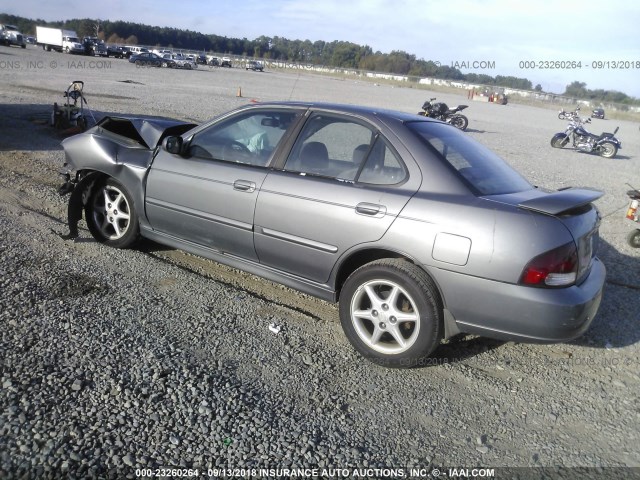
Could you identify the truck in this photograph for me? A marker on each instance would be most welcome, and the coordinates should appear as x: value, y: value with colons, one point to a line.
x: 58, y: 40
x: 10, y: 35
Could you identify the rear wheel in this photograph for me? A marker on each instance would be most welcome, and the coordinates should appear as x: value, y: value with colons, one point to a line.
x: 634, y: 238
x: 391, y: 313
x: 559, y: 140
x: 111, y: 216
x: 608, y: 150
x: 460, y: 122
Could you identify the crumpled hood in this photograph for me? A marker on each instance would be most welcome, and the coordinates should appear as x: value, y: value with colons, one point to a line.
x: 149, y: 131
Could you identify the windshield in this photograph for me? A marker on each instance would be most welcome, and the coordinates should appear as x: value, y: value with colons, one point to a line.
x: 484, y: 171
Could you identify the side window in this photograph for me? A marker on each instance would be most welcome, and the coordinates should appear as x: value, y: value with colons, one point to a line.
x: 330, y: 146
x: 249, y: 138
x: 382, y: 166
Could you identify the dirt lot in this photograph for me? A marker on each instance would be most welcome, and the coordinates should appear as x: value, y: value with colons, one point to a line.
x: 117, y: 360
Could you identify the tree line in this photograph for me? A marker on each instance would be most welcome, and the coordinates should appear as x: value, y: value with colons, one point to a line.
x: 340, y: 54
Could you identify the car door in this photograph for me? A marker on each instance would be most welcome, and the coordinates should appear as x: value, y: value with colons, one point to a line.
x: 207, y: 196
x: 342, y: 185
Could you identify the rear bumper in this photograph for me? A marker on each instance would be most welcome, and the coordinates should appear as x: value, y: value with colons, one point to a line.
x: 514, y: 312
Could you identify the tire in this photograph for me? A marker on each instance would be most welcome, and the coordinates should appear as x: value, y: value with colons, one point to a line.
x: 111, y: 215
x: 460, y: 122
x: 559, y: 140
x: 608, y: 150
x: 138, y: 63
x: 633, y: 238
x: 561, y: 116
x: 66, y: 49
x: 372, y: 324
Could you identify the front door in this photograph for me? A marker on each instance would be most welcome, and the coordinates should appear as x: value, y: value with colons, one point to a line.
x: 208, y: 196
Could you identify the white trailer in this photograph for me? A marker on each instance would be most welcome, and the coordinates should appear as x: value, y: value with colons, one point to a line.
x: 58, y: 40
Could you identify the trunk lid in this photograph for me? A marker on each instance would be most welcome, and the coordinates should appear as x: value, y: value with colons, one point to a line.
x: 573, y: 208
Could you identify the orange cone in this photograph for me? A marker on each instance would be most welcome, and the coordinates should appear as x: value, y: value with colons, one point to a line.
x: 239, y: 94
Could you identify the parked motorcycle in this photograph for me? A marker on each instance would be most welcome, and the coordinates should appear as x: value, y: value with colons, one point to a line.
x: 562, y: 115
x: 633, y: 214
x: 441, y: 111
x: 606, y: 144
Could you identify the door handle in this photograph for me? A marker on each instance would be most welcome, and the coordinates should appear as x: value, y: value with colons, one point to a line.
x: 371, y: 209
x: 244, y: 186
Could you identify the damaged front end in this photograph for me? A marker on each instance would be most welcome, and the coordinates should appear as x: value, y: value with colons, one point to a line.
x: 117, y: 147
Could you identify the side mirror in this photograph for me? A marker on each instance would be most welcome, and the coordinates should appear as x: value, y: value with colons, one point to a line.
x: 173, y: 145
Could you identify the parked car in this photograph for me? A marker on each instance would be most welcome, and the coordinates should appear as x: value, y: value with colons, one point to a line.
x: 93, y: 46
x: 418, y: 231
x: 226, y: 62
x: 151, y: 60
x: 201, y: 59
x: 213, y: 61
x: 135, y: 50
x: 117, y: 51
x: 598, y: 113
x: 181, y: 61
x: 255, y: 66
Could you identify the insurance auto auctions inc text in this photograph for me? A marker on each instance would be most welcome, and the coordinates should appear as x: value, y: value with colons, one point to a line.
x: 353, y: 473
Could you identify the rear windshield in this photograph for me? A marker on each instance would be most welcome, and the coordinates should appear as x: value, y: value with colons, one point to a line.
x: 484, y: 171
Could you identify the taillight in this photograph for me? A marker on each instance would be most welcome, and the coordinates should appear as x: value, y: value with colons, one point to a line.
x: 555, y: 268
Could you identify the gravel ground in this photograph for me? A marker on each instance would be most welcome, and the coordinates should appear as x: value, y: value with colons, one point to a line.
x: 114, y: 361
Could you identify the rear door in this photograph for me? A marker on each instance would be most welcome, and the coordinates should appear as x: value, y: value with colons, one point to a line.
x: 342, y: 184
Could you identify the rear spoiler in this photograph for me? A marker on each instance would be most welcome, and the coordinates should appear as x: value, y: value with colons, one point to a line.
x: 561, y: 201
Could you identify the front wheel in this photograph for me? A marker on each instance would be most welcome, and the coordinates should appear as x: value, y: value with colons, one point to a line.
x: 634, y: 238
x: 561, y: 116
x: 460, y: 122
x: 111, y: 215
x: 559, y: 140
x: 608, y: 150
x: 391, y: 313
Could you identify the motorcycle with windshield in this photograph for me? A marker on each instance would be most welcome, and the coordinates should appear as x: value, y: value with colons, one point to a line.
x: 606, y: 144
x: 440, y: 111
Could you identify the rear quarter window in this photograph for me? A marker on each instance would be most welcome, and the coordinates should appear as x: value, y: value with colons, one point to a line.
x: 480, y: 168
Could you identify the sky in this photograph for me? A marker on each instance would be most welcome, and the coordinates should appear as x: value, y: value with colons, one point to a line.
x: 499, y: 37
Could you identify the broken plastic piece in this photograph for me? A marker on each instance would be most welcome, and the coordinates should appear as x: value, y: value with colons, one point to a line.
x: 275, y: 328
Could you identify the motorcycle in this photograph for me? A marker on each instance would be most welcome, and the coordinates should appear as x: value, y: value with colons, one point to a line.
x: 606, y: 144
x: 633, y: 213
x: 440, y: 111
x: 562, y: 115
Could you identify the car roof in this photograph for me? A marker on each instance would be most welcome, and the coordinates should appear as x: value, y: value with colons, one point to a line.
x: 366, y: 111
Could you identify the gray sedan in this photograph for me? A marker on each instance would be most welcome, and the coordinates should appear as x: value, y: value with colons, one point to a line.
x: 417, y: 230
